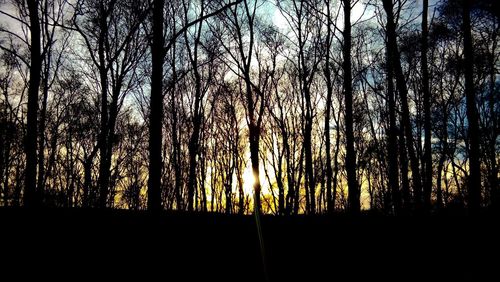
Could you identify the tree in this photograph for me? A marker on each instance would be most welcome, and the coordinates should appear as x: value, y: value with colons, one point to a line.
x: 254, y: 97
x: 350, y: 160
x: 427, y: 164
x: 111, y: 34
x: 156, y: 108
x: 329, y: 94
x: 183, y: 104
x: 52, y: 15
x: 474, y: 181
x: 194, y: 146
x: 392, y: 142
x: 158, y: 51
x: 306, y: 26
x: 395, y: 63
x: 34, y: 86
x: 12, y: 160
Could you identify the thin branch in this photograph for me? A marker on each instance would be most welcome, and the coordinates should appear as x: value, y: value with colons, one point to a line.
x: 14, y: 18
x: 184, y: 28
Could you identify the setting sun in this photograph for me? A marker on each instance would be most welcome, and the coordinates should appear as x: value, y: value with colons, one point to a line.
x: 248, y: 180
x: 343, y: 106
x: 250, y: 140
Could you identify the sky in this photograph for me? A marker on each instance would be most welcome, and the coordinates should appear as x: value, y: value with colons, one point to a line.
x: 358, y: 12
x: 279, y: 20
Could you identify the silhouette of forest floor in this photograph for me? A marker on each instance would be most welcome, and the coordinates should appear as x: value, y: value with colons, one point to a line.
x: 100, y: 245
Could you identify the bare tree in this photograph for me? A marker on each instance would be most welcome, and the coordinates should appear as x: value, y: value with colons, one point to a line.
x: 354, y: 201
x: 474, y: 181
x: 34, y: 87
x: 395, y: 63
x: 427, y: 111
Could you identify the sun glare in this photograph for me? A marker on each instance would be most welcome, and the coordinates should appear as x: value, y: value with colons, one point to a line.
x: 248, y: 180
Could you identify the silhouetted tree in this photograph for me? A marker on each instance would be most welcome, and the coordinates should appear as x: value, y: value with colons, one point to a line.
x: 395, y: 63
x: 427, y: 164
x: 34, y: 86
x: 474, y: 181
x: 335, y: 111
x: 350, y: 161
x: 156, y: 108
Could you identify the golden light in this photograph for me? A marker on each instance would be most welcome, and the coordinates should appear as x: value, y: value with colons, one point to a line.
x: 248, y: 181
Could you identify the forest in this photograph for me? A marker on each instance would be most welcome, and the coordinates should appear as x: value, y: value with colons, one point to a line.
x: 250, y: 106
x: 249, y: 140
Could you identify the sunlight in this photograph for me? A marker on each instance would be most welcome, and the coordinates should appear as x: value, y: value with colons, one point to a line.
x: 194, y: 105
x: 279, y: 20
x: 358, y: 12
x: 248, y: 180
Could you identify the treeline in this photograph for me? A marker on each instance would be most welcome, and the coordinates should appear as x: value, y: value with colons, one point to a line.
x: 236, y: 106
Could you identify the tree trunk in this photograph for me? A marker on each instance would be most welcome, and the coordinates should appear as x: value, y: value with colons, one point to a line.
x: 310, y: 185
x: 176, y: 144
x: 239, y: 173
x: 493, y: 177
x: 253, y: 125
x: 3, y: 157
x: 493, y: 99
x: 329, y: 94
x: 336, y: 161
x: 103, y: 136
x: 51, y: 163
x: 403, y: 159
x: 41, y: 138
x: 156, y: 111
x: 290, y: 195
x: 281, y: 186
x: 228, y: 184
x: 193, y: 151
x: 254, y: 157
x: 111, y: 139
x: 350, y: 160
x: 5, y: 183
x: 392, y: 143
x: 304, y: 76
x: 394, y: 57
x: 202, y: 182
x: 197, y: 118
x: 296, y: 202
x: 427, y: 111
x: 87, y: 182
x: 474, y: 185
x: 31, y: 126
x: 442, y: 159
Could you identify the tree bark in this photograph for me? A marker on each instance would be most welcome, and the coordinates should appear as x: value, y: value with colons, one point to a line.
x: 156, y: 111
x: 493, y: 99
x: 474, y: 183
x: 329, y: 94
x: 336, y: 161
x: 394, y: 57
x: 103, y: 136
x: 427, y: 111
x: 290, y: 195
x: 403, y: 165
x: 392, y: 143
x: 176, y: 144
x: 197, y: 116
x: 254, y: 137
x: 31, y: 126
x: 352, y: 183
x: 493, y: 177
x: 41, y: 138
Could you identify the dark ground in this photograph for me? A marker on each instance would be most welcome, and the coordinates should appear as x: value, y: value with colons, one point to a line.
x: 97, y: 245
